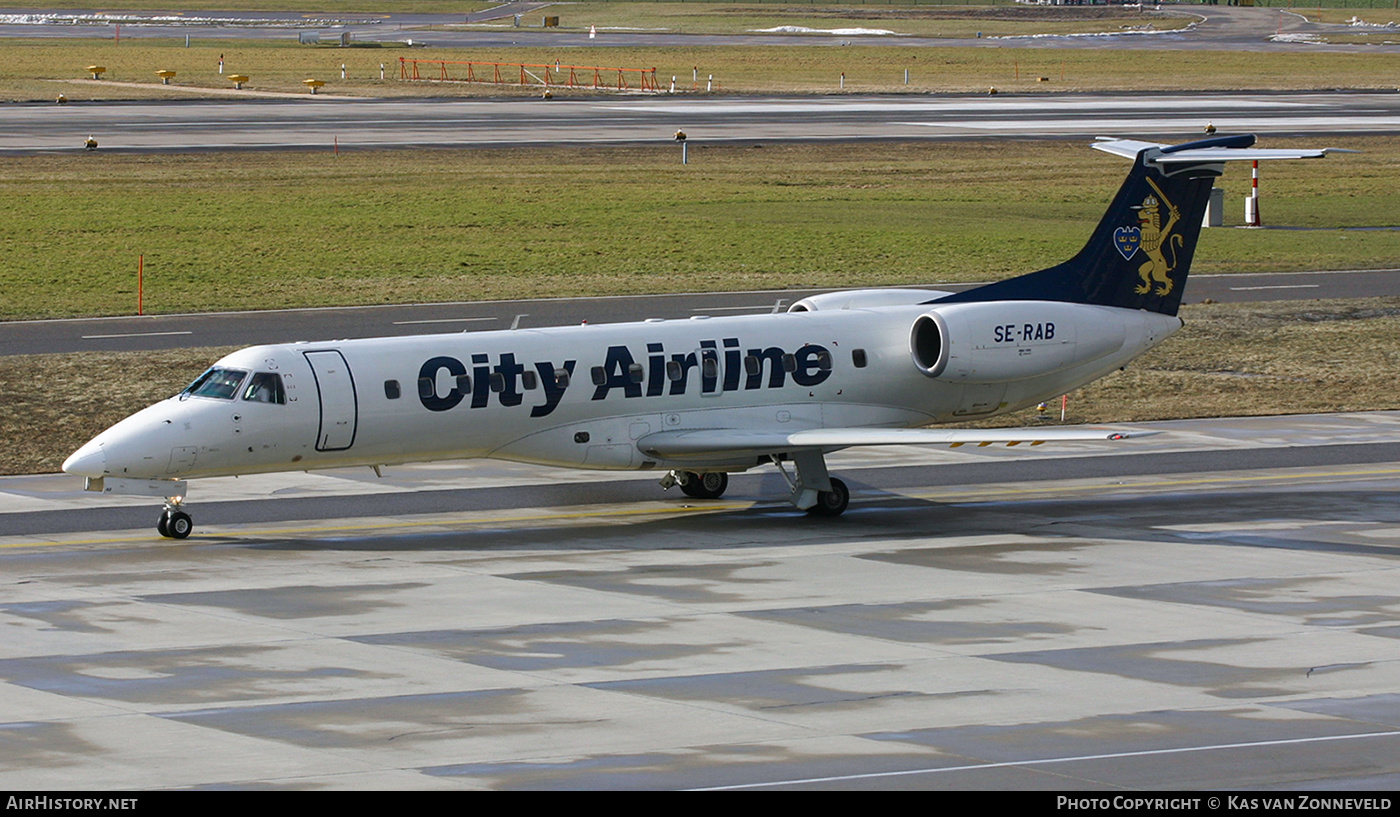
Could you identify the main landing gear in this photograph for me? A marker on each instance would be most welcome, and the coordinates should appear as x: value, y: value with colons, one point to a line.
x: 709, y: 485
x: 174, y: 523
x: 813, y: 489
x: 833, y: 502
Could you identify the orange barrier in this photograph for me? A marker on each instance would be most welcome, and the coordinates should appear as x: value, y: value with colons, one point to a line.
x: 545, y: 76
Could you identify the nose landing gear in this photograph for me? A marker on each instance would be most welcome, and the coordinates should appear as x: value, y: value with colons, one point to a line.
x: 174, y: 523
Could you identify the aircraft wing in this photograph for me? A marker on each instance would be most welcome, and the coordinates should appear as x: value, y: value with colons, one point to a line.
x: 730, y: 441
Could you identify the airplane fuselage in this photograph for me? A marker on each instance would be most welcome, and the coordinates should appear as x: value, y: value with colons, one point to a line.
x: 584, y: 396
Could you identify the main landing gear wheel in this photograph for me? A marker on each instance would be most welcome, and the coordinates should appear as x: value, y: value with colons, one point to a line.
x: 833, y: 502
x: 710, y: 485
x: 174, y: 524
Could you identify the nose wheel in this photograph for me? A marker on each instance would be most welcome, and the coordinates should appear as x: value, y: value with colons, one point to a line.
x: 174, y: 523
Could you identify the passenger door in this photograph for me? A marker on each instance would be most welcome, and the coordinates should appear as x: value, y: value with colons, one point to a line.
x: 336, y: 388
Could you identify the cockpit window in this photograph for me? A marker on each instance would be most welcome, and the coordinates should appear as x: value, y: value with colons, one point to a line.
x: 265, y: 387
x: 217, y: 382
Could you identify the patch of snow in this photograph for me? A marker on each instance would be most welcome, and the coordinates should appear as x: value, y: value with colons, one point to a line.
x: 1360, y: 23
x: 1129, y: 31
x: 840, y: 32
x: 135, y: 19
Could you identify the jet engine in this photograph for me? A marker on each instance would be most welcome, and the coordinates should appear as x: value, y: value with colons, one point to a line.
x: 997, y: 342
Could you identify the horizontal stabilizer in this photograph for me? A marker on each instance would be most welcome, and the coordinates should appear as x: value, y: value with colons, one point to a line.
x: 729, y: 441
x: 1198, y: 152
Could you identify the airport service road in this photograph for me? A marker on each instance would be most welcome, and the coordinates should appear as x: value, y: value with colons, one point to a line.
x: 147, y: 333
x: 1226, y: 621
x: 319, y: 122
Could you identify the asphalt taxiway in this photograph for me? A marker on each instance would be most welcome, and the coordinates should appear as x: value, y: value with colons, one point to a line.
x: 181, y: 331
x: 1211, y: 607
x: 323, y: 122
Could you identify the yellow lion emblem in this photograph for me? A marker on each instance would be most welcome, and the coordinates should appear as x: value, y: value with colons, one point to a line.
x: 1157, y: 237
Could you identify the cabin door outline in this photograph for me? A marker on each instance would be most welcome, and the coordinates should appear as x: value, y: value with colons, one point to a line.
x: 340, y: 411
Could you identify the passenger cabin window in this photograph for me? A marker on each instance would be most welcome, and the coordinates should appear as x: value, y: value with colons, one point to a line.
x: 216, y: 382
x: 858, y: 358
x: 265, y: 387
x: 391, y: 389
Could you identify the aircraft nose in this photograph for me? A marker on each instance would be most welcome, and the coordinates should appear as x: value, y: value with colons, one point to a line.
x: 88, y: 461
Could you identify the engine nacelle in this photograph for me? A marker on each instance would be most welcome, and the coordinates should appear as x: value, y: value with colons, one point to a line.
x: 865, y: 299
x: 1001, y: 341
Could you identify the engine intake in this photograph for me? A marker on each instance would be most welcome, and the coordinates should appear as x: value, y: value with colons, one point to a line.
x: 928, y: 342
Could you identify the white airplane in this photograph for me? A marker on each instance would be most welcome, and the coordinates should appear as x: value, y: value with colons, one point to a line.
x: 699, y: 399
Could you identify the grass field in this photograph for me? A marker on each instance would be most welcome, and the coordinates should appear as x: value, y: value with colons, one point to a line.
x: 273, y: 230
x: 38, y: 70
x: 1230, y: 360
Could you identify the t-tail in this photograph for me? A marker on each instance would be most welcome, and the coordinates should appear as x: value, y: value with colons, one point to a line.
x: 1139, y: 255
